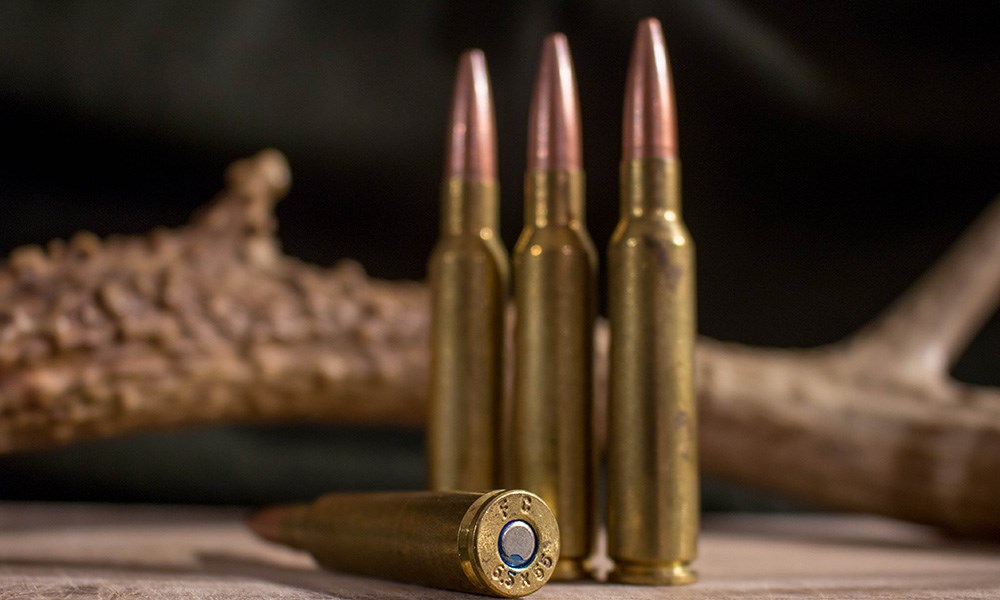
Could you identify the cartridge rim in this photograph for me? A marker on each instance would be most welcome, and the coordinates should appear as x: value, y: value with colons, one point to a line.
x: 480, y: 550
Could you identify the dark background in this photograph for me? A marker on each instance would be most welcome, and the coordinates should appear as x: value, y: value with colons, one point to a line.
x: 831, y: 151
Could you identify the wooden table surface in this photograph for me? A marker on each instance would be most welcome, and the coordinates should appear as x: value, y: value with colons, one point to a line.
x: 102, y: 551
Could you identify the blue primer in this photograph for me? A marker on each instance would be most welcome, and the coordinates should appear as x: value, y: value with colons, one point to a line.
x: 515, y: 561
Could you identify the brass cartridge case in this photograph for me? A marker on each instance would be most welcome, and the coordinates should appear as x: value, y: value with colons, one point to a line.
x: 454, y: 540
x: 469, y: 278
x: 653, y: 505
x: 550, y: 428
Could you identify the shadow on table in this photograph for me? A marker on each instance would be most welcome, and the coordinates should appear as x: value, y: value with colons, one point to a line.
x: 317, y: 582
x: 338, y: 585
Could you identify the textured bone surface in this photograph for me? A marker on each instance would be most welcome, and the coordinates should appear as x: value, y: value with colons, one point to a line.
x: 208, y: 323
x: 211, y: 323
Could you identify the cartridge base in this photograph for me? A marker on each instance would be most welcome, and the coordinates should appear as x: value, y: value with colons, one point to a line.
x: 570, y: 569
x: 653, y: 573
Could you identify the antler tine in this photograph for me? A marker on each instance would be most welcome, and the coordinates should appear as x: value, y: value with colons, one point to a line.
x: 921, y: 335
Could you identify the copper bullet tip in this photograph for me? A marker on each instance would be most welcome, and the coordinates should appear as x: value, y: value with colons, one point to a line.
x: 472, y: 144
x: 650, y: 123
x: 267, y: 523
x: 554, y: 139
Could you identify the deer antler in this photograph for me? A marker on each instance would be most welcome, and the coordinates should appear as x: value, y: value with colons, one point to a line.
x: 210, y: 323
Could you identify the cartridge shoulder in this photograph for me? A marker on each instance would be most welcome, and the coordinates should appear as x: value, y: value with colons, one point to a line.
x: 468, y: 246
x: 661, y: 231
x: 470, y: 261
x: 565, y: 240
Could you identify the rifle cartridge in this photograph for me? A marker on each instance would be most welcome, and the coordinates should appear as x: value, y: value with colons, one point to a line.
x: 468, y: 278
x: 550, y: 428
x: 653, y: 496
x: 501, y: 543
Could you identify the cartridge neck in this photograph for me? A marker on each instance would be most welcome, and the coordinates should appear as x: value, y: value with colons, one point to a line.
x: 554, y: 198
x: 469, y: 207
x: 650, y: 187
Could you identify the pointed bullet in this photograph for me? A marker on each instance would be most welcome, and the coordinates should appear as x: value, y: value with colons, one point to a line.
x: 649, y: 124
x: 550, y: 429
x: 469, y: 272
x: 554, y: 140
x: 267, y: 523
x: 472, y: 142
